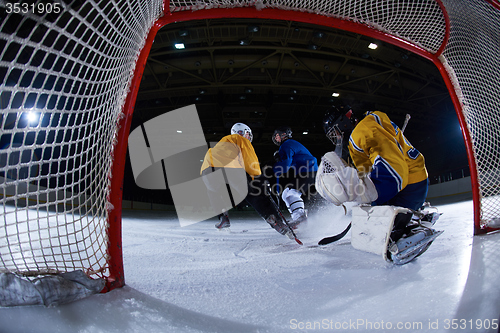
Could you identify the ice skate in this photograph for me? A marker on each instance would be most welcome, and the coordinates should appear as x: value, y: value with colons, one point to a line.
x: 415, y: 244
x: 224, y: 222
x: 426, y: 218
x: 278, y: 225
x: 415, y: 235
x: 414, y: 239
x: 430, y: 219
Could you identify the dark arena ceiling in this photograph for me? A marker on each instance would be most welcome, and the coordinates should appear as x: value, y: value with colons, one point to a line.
x: 268, y: 73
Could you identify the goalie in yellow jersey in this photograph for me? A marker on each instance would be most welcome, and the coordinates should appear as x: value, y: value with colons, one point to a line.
x: 388, y: 173
x: 385, y: 161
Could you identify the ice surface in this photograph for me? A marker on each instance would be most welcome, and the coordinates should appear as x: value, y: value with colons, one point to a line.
x: 252, y: 279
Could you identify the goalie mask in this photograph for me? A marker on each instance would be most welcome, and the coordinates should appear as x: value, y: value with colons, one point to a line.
x: 243, y: 130
x: 337, y: 122
x: 281, y: 134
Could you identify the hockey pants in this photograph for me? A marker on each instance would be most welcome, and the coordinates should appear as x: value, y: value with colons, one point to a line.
x: 305, y: 183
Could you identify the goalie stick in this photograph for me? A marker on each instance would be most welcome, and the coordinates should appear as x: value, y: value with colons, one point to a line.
x: 407, y: 118
x: 281, y: 214
x: 331, y: 239
x: 334, y: 238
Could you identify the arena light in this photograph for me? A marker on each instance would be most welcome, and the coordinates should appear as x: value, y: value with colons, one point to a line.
x: 335, y: 94
x: 253, y: 28
x: 244, y: 42
x: 179, y: 46
x: 32, y: 117
x: 372, y: 46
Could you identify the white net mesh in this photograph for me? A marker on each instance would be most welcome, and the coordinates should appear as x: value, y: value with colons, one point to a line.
x: 473, y: 54
x: 64, y: 76
x: 399, y: 18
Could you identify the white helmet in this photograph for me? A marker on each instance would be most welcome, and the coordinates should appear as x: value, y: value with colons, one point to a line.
x: 242, y: 129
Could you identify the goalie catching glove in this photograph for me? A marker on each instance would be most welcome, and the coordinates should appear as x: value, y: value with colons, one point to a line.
x: 338, y: 183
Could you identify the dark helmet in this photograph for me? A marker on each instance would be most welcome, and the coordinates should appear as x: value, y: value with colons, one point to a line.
x: 337, y: 121
x: 283, y: 132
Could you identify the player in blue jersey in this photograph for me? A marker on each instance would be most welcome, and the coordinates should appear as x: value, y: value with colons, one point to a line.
x: 295, y: 171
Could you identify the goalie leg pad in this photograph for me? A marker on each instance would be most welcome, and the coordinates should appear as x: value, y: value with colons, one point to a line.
x: 372, y: 226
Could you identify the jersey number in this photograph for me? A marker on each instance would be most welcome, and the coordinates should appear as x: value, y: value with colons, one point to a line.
x: 413, y: 153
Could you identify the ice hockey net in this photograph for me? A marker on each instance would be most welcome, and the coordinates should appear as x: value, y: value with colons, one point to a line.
x: 69, y: 79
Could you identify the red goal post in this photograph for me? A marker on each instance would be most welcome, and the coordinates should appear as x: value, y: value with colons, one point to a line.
x: 79, y: 71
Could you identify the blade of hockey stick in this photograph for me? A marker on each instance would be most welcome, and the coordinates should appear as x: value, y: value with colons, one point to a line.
x: 331, y: 239
x: 298, y: 241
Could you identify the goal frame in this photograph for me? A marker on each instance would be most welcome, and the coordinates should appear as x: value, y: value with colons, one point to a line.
x: 278, y: 14
x: 311, y: 12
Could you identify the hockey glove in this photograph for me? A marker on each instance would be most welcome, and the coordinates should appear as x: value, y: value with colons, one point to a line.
x: 339, y: 183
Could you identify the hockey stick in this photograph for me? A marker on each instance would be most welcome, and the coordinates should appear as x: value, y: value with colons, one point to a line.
x: 407, y: 118
x: 281, y: 214
x: 331, y: 239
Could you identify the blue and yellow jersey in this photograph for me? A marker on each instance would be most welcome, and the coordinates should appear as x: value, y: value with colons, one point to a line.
x: 415, y: 160
x: 376, y: 141
x: 233, y: 151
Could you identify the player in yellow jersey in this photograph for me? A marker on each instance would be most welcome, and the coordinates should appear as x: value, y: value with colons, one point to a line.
x: 242, y: 179
x: 381, y: 154
x: 389, y: 172
x: 378, y: 147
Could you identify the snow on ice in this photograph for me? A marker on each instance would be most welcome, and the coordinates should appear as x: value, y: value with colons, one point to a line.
x: 252, y: 279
